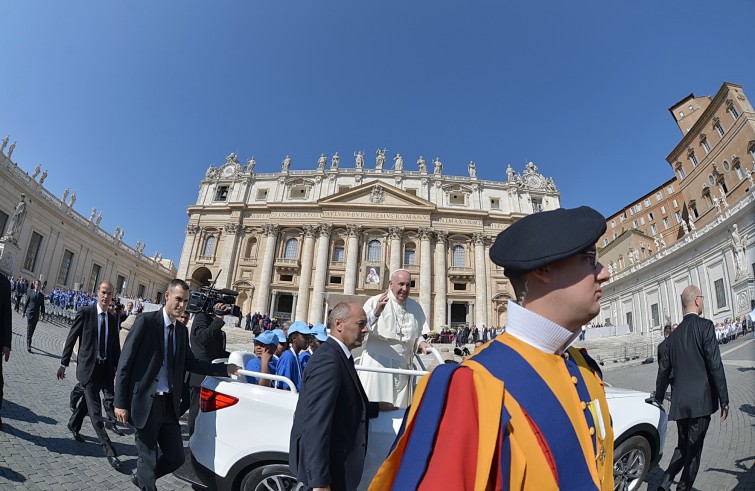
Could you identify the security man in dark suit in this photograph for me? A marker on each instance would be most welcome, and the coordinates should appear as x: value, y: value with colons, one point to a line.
x: 149, y: 382
x: 99, y: 350
x: 697, y: 389
x: 6, y: 331
x: 34, y: 305
x: 207, y: 344
x: 329, y: 436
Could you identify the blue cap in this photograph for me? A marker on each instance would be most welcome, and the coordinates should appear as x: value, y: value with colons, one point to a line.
x: 280, y: 335
x: 267, y: 337
x: 320, y: 333
x: 300, y: 327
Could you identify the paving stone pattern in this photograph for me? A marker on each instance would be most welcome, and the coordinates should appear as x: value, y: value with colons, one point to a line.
x: 38, y: 453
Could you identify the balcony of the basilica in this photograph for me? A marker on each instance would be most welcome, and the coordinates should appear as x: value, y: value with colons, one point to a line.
x: 460, y: 273
x: 284, y: 265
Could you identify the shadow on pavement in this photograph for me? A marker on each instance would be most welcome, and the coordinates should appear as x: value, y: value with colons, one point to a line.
x: 746, y: 478
x: 11, y: 475
x: 11, y: 410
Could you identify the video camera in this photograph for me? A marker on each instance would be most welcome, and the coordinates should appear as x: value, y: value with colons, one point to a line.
x: 204, y: 300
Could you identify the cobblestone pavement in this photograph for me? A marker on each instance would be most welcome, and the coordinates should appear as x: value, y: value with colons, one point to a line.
x: 36, y: 449
x: 39, y: 453
x: 729, y: 452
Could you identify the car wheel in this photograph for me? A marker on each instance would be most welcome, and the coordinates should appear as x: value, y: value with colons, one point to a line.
x: 274, y: 477
x: 630, y: 463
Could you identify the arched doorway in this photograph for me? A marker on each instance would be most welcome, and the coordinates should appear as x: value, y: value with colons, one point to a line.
x: 201, y: 277
x: 500, y: 303
x: 246, y: 293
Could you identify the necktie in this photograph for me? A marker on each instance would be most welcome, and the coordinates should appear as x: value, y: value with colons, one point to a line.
x: 171, y: 355
x: 103, y: 327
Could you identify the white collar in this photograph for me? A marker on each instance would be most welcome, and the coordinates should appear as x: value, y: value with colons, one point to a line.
x: 166, y: 319
x: 346, y: 351
x: 99, y: 309
x: 537, y: 331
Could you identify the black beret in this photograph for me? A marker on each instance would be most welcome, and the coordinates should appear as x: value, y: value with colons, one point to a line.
x: 546, y: 237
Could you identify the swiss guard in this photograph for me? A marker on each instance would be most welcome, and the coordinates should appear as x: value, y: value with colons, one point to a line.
x: 525, y: 412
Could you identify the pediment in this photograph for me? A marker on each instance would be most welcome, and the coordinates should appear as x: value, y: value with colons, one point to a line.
x: 377, y: 194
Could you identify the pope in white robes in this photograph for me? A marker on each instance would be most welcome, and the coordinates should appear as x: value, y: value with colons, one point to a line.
x: 396, y: 323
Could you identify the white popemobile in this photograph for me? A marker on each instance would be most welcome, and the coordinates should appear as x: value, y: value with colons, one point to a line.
x: 240, y: 442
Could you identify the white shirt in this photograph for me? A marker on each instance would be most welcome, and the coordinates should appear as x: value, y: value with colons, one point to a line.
x: 162, y: 376
x: 345, y: 349
x: 537, y: 331
x: 100, y: 326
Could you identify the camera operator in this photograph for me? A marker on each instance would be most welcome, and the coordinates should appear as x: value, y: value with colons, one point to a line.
x: 207, y: 344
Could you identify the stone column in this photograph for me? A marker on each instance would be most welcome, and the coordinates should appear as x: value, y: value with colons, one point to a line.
x: 321, y: 275
x: 395, y: 260
x: 294, y: 302
x: 352, y: 259
x: 448, y: 312
x: 305, y: 278
x: 440, y: 279
x: 481, y: 280
x: 425, y: 273
x: 271, y: 232
x: 228, y: 257
x: 273, y: 301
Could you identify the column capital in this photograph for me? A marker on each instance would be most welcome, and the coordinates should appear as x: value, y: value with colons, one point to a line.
x: 479, y: 238
x: 353, y: 230
x: 395, y: 232
x: 309, y: 230
x: 425, y: 233
x: 325, y: 229
x: 270, y: 229
x: 441, y: 236
x: 192, y: 229
x: 232, y: 228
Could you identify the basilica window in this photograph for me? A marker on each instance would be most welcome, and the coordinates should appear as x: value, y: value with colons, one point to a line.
x: 291, y: 250
x: 209, y: 246
x: 339, y: 255
x: 410, y: 254
x: 221, y: 193
x: 459, y: 257
x: 250, y: 248
x: 537, y: 205
x: 373, y: 250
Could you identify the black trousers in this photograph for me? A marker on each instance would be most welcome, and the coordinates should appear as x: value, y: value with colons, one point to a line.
x: 80, y: 410
x: 92, y: 389
x: 686, y: 458
x: 162, y: 429
x: 18, y: 301
x: 30, y: 327
x: 2, y: 380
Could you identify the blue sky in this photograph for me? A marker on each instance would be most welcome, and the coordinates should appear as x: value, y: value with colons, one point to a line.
x: 129, y: 102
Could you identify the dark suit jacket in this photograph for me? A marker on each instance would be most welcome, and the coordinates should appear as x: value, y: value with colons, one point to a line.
x: 35, y: 302
x: 692, y: 356
x: 207, y: 342
x: 139, y: 367
x: 329, y: 435
x: 84, y: 329
x: 6, y: 321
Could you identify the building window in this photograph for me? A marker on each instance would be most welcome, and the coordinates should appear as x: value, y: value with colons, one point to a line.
x: 140, y: 291
x: 693, y: 159
x: 647, y: 202
x: 3, y: 222
x: 458, y: 258
x: 460, y: 287
x: 495, y: 204
x: 456, y: 199
x: 335, y: 280
x: 719, y: 128
x: 373, y: 250
x: 221, y: 193
x: 413, y: 191
x: 676, y: 205
x: 733, y: 111
x: 678, y: 217
x: 250, y: 247
x: 670, y: 189
x: 288, y: 278
x: 299, y: 193
x: 635, y: 224
x: 663, y: 210
x: 410, y: 257
x: 338, y: 252
x: 738, y: 170
x: 655, y: 314
x: 653, y: 229
x: 720, y: 293
x: 209, y: 246
x: 615, y: 235
x: 119, y: 283
x: 705, y: 144
x: 94, y: 278
x: 605, y: 242
x: 666, y: 223
x: 642, y: 220
x: 693, y: 208
x: 33, y: 251
x: 680, y: 171
x: 711, y: 180
x: 291, y: 250
x: 726, y: 165
x: 537, y: 205
x: 658, y: 196
x: 613, y: 223
x: 343, y: 189
x: 261, y: 194
x: 65, y: 267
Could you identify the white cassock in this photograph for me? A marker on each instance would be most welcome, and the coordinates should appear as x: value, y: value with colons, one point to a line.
x: 391, y: 343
